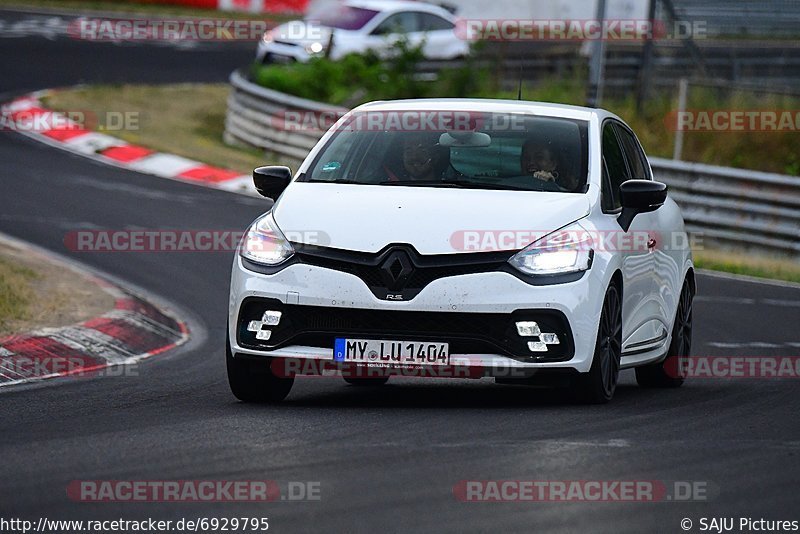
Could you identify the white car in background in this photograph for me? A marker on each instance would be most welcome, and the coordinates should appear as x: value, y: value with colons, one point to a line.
x: 528, y: 242
x: 361, y: 25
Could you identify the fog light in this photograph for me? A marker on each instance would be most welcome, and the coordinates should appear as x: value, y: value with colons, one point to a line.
x: 263, y: 335
x: 549, y: 339
x: 537, y: 346
x: 528, y: 328
x: 271, y: 318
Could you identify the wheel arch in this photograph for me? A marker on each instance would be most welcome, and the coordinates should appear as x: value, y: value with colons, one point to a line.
x: 690, y: 277
x: 616, y: 278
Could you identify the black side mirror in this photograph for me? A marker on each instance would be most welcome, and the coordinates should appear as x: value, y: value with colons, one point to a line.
x: 640, y: 196
x: 271, y: 181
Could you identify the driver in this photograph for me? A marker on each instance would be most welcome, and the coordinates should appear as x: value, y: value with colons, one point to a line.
x: 422, y: 159
x: 538, y: 160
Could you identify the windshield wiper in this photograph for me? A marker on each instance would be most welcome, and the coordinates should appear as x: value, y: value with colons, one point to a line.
x: 485, y: 185
x: 337, y: 181
x: 419, y: 182
x: 465, y: 184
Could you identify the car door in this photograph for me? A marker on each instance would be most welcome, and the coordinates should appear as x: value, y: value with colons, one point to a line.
x: 664, y: 229
x: 640, y: 325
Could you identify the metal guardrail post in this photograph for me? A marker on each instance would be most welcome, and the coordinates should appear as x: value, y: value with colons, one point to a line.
x: 597, y: 63
x: 683, y: 89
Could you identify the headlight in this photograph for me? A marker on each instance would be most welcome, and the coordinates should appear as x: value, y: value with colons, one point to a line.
x: 564, y: 251
x: 314, y: 48
x: 265, y: 243
x: 267, y: 37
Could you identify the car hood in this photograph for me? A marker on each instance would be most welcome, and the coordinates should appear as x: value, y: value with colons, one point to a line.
x: 367, y: 218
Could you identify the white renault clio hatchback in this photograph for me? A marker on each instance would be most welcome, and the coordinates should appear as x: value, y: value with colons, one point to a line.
x: 470, y: 238
x: 356, y: 26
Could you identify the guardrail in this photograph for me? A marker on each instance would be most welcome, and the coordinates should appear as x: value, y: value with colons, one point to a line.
x: 257, y: 116
x: 734, y: 208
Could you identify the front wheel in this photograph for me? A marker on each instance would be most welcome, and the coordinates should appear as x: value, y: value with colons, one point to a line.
x: 253, y: 380
x: 671, y: 372
x: 598, y: 385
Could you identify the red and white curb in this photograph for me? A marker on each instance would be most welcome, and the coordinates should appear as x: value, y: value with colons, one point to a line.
x: 28, y: 116
x: 134, y: 330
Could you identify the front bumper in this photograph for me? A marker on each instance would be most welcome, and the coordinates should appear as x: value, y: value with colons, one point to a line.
x: 475, y: 313
x: 280, y: 53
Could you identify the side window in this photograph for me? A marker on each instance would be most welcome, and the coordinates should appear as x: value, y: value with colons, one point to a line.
x: 431, y: 23
x: 614, y: 169
x: 634, y: 154
x: 403, y: 22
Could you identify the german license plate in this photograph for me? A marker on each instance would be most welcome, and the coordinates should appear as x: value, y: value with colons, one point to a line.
x: 382, y: 351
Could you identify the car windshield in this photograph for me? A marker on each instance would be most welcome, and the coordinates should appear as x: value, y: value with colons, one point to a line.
x: 456, y: 149
x: 343, y: 17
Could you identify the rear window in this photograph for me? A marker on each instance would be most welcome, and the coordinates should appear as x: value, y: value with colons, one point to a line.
x: 456, y: 149
x: 431, y: 22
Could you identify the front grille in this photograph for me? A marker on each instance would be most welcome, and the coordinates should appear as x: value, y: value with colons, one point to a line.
x: 467, y: 333
x: 399, y: 269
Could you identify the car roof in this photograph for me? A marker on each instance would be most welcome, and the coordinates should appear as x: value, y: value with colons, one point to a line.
x: 395, y: 5
x: 490, y: 105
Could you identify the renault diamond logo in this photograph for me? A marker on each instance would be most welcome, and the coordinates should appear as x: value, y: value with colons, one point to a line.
x: 396, y: 269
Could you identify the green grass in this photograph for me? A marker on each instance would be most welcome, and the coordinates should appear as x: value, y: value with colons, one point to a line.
x: 750, y: 265
x: 185, y: 119
x: 16, y: 292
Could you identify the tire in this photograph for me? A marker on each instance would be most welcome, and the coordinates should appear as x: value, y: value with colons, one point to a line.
x: 671, y: 372
x: 366, y: 382
x: 253, y: 380
x: 598, y: 385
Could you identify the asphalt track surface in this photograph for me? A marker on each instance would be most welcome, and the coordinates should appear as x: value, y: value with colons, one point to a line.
x: 386, y: 459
